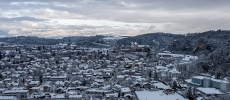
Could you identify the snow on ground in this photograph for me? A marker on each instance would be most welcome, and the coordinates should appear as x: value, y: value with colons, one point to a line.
x: 158, y: 95
x: 209, y: 91
x: 160, y: 85
x: 189, y: 58
x: 101, y: 44
x: 170, y: 54
x: 114, y: 38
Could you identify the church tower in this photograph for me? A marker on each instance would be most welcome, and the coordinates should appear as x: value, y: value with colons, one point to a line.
x: 69, y: 43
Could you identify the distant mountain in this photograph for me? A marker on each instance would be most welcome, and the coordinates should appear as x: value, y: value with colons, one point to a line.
x: 30, y: 40
x: 149, y: 39
x: 73, y: 38
x: 182, y: 43
x: 86, y: 41
x: 211, y: 47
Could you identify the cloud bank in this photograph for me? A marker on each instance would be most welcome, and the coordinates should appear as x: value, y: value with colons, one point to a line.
x: 58, y: 18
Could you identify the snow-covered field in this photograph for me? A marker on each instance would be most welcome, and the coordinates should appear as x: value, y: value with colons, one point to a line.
x: 158, y: 95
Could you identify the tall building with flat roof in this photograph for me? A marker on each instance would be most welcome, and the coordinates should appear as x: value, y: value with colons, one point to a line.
x: 206, y: 82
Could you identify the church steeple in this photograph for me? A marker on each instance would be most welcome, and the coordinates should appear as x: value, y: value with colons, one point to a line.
x: 69, y: 43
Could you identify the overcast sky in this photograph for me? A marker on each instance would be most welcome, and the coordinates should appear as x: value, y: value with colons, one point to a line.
x: 58, y: 18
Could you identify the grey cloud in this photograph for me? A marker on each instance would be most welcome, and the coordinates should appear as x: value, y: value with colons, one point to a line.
x: 179, y: 4
x: 176, y: 15
x: 75, y: 27
x: 152, y: 27
x: 118, y: 10
x: 7, y: 1
x: 141, y: 4
x: 25, y: 18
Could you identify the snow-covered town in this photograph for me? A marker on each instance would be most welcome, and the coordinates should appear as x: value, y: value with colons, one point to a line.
x: 114, y: 49
x: 68, y: 72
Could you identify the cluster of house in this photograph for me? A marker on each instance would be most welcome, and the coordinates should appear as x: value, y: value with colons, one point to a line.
x: 65, y: 71
x: 205, y: 85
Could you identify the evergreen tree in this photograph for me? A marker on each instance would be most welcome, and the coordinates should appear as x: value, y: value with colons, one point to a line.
x: 155, y: 75
x: 0, y: 55
x: 174, y: 85
x: 40, y: 79
x: 84, y: 83
x: 53, y: 54
x: 194, y: 93
x: 39, y: 48
x: 1, y: 76
x: 150, y: 74
x: 189, y: 93
x: 57, y: 61
x: 19, y: 51
x: 23, y: 80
